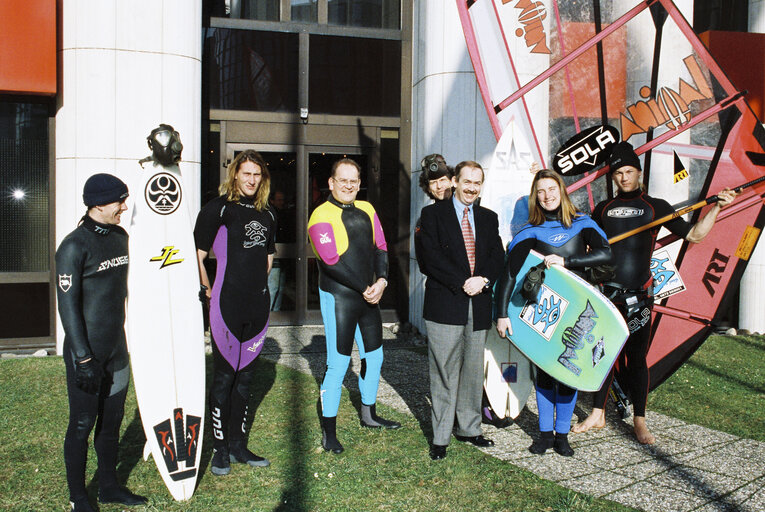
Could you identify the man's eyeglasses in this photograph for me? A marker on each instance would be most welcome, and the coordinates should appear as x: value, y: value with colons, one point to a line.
x: 346, y: 183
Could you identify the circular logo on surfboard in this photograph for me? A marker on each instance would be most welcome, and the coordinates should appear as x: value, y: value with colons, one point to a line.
x: 163, y: 193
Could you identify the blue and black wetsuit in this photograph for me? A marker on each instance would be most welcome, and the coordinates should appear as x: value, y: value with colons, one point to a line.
x: 630, y: 290
x: 241, y: 237
x: 349, y: 243
x: 92, y: 268
x: 555, y: 400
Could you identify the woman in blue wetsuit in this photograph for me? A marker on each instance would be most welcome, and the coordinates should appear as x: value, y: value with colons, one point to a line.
x: 568, y: 238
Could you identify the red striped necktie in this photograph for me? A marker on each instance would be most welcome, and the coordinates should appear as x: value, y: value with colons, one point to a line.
x: 467, y: 235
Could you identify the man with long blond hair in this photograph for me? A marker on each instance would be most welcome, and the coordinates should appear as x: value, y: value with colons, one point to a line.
x: 240, y: 228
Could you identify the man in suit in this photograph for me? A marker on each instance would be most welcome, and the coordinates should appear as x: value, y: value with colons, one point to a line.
x: 462, y: 249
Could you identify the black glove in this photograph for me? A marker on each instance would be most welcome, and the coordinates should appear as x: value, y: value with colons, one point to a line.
x: 203, y: 294
x: 601, y: 274
x: 88, y: 375
x: 532, y: 284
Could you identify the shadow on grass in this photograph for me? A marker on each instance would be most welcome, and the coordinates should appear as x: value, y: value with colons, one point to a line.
x: 293, y: 497
x: 131, y: 447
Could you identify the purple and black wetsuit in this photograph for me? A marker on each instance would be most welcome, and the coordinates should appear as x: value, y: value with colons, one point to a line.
x: 241, y: 237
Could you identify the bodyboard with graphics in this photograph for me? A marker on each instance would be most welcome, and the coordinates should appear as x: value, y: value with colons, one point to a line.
x: 557, y: 68
x: 507, y: 376
x: 165, y: 326
x: 573, y: 332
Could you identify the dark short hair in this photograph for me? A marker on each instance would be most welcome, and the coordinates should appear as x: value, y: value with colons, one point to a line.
x: 433, y: 167
x: 468, y: 163
x: 347, y: 161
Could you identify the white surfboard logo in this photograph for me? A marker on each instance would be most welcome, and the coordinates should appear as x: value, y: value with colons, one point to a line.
x: 64, y: 282
x: 163, y: 193
x: 545, y: 315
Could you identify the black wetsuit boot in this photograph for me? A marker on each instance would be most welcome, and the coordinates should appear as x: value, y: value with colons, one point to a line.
x: 329, y: 435
x: 544, y: 443
x: 370, y: 419
x: 561, y: 446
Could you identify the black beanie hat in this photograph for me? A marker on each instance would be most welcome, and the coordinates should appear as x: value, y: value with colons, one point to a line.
x: 622, y: 155
x: 103, y: 189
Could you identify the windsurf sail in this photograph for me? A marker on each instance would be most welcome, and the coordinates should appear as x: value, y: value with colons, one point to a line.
x: 552, y: 70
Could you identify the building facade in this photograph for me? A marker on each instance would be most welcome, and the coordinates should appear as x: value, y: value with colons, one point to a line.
x: 304, y: 82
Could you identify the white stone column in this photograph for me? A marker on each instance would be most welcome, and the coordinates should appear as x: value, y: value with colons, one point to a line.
x: 751, y: 299
x: 124, y: 68
x: 448, y: 115
x: 757, y: 16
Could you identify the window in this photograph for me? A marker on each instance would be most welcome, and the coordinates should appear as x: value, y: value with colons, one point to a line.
x: 24, y: 212
x: 304, y: 10
x: 364, y: 13
x: 354, y: 76
x: 251, y: 70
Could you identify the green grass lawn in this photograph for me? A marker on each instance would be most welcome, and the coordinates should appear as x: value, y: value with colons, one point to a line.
x: 380, y: 470
x: 722, y: 386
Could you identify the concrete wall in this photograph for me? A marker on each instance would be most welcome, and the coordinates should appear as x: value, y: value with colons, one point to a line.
x: 124, y: 68
x: 751, y: 298
x: 448, y: 116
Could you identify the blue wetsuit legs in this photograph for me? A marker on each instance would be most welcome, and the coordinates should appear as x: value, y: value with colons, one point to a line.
x: 340, y: 330
x: 369, y: 376
x: 555, y: 403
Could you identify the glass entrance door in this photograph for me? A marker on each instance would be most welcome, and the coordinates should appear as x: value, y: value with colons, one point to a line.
x: 299, y: 183
x: 320, y: 161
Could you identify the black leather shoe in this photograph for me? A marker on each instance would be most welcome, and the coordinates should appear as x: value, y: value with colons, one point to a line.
x: 437, y: 452
x: 120, y: 495
x: 479, y: 441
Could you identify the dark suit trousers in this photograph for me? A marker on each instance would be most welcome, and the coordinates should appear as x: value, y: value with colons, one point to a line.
x: 455, y: 354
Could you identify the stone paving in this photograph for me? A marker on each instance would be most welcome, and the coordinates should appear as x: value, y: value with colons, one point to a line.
x: 690, y: 468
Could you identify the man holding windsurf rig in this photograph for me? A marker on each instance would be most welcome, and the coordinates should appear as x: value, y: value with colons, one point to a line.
x: 92, y: 268
x: 630, y: 289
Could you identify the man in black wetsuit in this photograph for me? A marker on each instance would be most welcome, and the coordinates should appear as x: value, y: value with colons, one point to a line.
x: 240, y: 228
x: 350, y: 247
x: 631, y: 288
x: 92, y: 267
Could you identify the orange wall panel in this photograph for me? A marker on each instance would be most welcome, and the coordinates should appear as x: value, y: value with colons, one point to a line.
x: 28, y: 47
x: 741, y: 56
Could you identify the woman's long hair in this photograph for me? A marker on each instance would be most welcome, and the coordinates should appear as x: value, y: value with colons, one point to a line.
x: 229, y: 188
x: 566, y: 211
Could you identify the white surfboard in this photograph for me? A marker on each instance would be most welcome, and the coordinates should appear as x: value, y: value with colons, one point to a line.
x: 508, y: 378
x: 507, y: 372
x: 508, y: 181
x: 165, y: 326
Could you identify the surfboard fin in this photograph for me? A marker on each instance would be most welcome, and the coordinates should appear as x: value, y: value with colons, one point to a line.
x: 146, y: 451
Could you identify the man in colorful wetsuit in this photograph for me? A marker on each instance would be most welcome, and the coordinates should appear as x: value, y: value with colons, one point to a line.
x: 631, y: 288
x: 349, y: 243
x: 92, y: 267
x: 240, y: 229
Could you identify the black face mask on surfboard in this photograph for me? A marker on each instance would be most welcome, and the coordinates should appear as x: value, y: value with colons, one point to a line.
x: 165, y: 145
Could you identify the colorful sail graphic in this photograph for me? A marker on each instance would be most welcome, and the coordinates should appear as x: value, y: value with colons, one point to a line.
x: 554, y: 69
